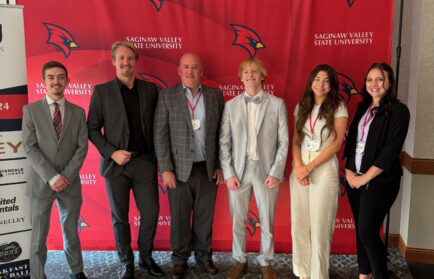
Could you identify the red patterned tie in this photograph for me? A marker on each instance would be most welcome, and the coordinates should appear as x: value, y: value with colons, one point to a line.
x: 57, y: 120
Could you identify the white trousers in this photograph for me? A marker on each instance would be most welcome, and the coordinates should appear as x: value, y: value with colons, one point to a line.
x: 239, y: 204
x: 313, y: 214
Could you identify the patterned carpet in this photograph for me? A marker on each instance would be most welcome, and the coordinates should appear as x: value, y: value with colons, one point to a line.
x: 104, y: 265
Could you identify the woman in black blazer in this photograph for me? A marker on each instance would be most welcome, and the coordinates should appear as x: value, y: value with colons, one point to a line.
x: 372, y: 165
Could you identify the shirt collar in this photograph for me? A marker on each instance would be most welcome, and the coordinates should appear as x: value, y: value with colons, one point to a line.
x: 121, y: 85
x: 257, y: 95
x: 50, y: 101
x: 188, y: 91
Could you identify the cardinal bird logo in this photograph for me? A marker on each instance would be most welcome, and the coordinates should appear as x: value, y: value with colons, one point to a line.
x: 247, y: 38
x: 163, y: 188
x: 350, y: 2
x: 61, y: 38
x: 347, y: 86
x: 343, y: 182
x: 252, y: 223
x: 158, y: 4
x: 161, y: 85
x: 82, y: 224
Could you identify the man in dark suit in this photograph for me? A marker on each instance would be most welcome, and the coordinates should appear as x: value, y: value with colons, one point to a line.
x: 187, y: 121
x: 124, y: 108
x: 55, y: 142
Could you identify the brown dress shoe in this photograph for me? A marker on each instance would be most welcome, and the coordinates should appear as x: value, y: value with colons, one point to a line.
x: 236, y: 270
x: 268, y: 272
x: 178, y: 271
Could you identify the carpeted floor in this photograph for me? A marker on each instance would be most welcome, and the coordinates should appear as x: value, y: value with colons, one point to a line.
x: 105, y: 265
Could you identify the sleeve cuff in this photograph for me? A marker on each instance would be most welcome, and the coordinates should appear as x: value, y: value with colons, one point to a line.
x: 53, y: 179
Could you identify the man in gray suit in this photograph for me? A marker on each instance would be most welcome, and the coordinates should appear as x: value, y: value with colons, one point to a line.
x: 124, y: 108
x: 55, y: 142
x: 187, y: 120
x: 253, y: 151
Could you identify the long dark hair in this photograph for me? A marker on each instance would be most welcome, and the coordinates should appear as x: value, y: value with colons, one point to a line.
x: 328, y: 107
x: 389, y: 98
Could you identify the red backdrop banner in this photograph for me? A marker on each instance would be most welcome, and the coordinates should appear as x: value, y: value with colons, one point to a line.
x: 290, y: 37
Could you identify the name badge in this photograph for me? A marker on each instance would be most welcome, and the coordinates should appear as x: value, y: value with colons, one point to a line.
x: 195, y: 123
x: 360, y: 147
x: 312, y: 145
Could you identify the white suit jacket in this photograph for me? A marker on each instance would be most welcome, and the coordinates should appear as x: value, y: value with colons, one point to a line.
x: 271, y: 132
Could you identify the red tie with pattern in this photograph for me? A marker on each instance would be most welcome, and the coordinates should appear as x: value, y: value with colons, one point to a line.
x: 57, y: 120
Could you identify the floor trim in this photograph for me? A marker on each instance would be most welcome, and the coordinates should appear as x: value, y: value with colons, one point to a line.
x: 418, y: 255
x: 394, y: 240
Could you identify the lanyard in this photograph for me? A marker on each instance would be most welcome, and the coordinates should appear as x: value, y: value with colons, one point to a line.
x: 195, y: 105
x: 366, y: 121
x: 310, y: 123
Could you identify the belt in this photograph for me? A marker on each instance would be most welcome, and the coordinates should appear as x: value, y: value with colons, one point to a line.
x: 199, y: 164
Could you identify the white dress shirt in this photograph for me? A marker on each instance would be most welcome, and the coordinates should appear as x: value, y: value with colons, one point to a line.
x: 252, y: 115
x: 51, y: 106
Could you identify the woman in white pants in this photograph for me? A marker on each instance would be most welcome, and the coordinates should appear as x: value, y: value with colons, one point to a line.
x: 320, y: 120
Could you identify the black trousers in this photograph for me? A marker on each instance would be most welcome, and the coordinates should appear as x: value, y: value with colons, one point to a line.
x: 140, y: 176
x: 369, y: 206
x: 195, y: 200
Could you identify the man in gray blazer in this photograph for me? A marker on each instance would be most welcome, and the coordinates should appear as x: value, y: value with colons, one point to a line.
x: 55, y: 142
x: 253, y: 151
x: 187, y: 121
x: 120, y: 121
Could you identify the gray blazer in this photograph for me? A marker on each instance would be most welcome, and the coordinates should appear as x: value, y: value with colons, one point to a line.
x: 271, y: 133
x: 173, y: 133
x: 107, y: 110
x: 48, y: 156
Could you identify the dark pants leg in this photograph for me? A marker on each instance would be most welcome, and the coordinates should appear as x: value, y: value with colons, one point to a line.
x: 369, y: 207
x: 198, y: 194
x: 140, y: 176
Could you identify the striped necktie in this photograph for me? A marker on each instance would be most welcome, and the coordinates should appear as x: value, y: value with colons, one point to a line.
x: 57, y: 120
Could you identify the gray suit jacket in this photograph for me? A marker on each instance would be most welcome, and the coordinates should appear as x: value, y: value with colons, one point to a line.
x: 271, y: 133
x: 173, y: 133
x: 107, y: 110
x: 48, y: 156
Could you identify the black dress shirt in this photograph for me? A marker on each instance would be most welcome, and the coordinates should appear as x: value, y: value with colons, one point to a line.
x: 131, y: 100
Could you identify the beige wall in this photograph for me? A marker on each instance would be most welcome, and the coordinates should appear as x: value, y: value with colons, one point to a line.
x: 412, y: 215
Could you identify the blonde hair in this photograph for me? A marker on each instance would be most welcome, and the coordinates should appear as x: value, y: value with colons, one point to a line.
x: 252, y: 61
x: 125, y: 44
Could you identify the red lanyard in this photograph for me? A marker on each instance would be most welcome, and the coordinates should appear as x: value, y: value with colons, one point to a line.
x: 366, y: 121
x: 195, y: 105
x: 310, y: 123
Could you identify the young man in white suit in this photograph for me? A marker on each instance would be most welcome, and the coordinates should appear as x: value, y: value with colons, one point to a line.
x: 55, y: 142
x: 253, y: 151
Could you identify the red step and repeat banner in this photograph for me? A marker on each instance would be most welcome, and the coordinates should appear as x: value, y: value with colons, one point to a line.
x: 290, y: 36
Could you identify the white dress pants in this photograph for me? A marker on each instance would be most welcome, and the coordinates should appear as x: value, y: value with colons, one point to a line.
x: 266, y: 204
x: 313, y: 214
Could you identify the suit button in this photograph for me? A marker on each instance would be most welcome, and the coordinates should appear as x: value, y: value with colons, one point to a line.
x: 192, y: 151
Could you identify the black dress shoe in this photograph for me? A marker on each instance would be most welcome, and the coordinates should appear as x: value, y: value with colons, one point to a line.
x: 152, y: 268
x: 128, y: 272
x: 207, y: 266
x: 178, y: 271
x: 79, y: 275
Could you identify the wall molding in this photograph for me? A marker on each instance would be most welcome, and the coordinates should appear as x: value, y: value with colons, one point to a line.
x: 417, y: 165
x: 394, y: 240
x: 418, y: 255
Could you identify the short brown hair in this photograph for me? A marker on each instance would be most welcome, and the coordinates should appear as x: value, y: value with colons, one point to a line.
x: 53, y: 64
x: 125, y: 44
x: 256, y: 62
